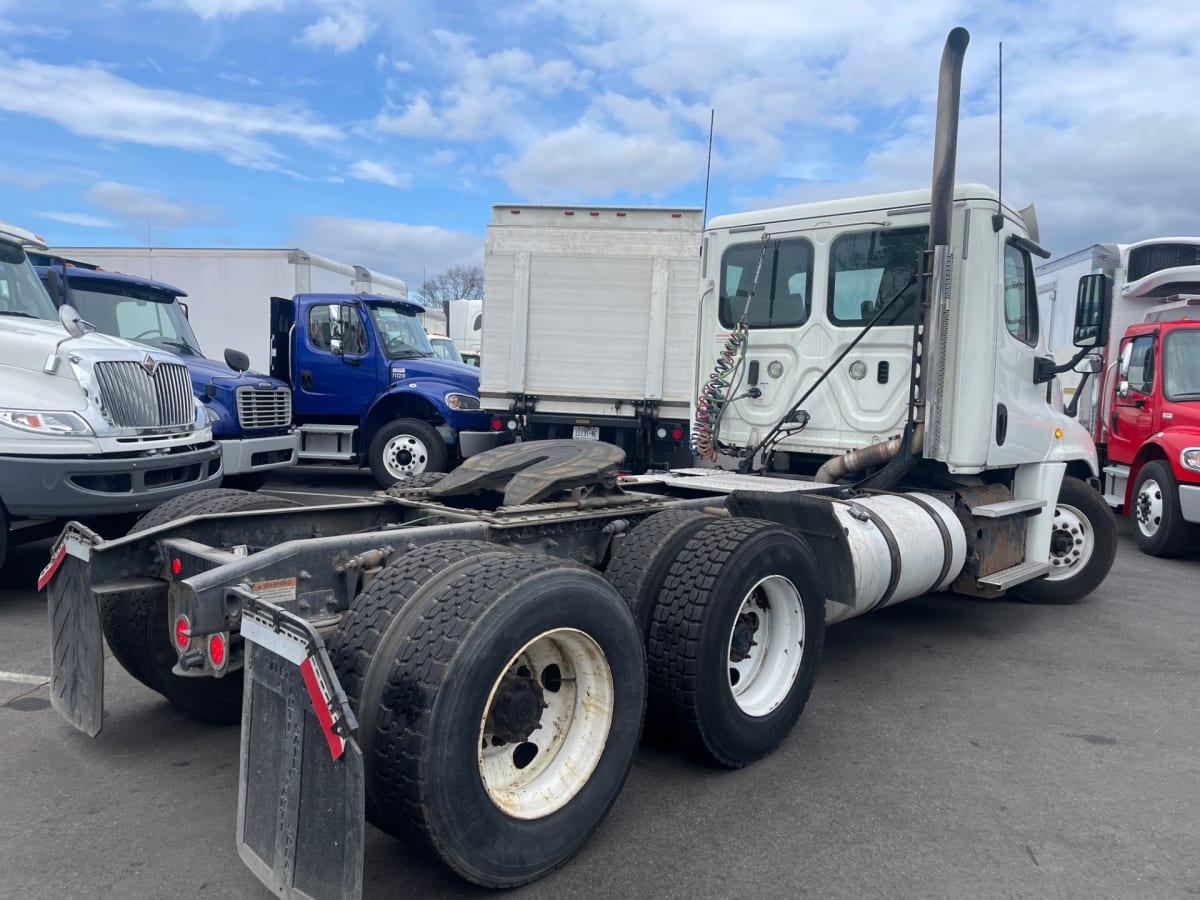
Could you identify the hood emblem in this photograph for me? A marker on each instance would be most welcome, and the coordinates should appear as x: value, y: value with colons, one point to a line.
x: 149, y: 364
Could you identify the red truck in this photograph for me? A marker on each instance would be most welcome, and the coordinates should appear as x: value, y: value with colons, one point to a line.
x: 1143, y: 406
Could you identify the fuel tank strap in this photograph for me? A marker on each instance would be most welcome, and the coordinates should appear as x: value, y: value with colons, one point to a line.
x: 889, y: 538
x: 947, y: 543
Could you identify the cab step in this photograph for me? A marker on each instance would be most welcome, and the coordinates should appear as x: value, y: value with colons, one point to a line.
x: 1007, y: 508
x: 1014, y: 575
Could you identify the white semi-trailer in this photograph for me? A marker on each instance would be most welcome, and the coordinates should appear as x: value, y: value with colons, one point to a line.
x: 230, y: 289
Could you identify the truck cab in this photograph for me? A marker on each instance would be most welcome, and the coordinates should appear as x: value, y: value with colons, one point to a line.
x: 368, y: 389
x: 90, y: 425
x: 250, y: 413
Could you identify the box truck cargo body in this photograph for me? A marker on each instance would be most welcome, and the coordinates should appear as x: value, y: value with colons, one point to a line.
x: 590, y: 330
x: 230, y: 289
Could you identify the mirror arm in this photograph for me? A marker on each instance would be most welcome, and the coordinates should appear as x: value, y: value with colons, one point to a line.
x: 1044, y: 369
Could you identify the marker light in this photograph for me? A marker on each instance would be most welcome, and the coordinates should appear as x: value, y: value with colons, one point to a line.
x: 176, y: 566
x: 1058, y: 433
x: 182, y: 629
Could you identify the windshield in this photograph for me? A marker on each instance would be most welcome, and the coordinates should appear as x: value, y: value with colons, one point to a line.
x: 135, y: 312
x: 444, y: 348
x: 400, y: 332
x: 1181, y: 365
x: 21, y: 291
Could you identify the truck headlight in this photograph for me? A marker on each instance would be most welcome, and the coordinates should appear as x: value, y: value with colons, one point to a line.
x: 40, y: 422
x: 462, y: 401
x: 211, y: 416
x: 1190, y: 459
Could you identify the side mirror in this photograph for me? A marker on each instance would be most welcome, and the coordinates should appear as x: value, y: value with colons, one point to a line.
x: 72, y: 321
x: 1123, y: 389
x: 1092, y: 311
x: 54, y: 286
x: 186, y: 312
x: 236, y: 360
x: 1089, y: 365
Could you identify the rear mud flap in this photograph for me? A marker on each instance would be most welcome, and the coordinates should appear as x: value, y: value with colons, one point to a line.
x: 76, y: 639
x: 301, y: 791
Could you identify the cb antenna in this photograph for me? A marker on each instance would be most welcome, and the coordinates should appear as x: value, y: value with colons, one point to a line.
x: 712, y: 118
x: 998, y: 218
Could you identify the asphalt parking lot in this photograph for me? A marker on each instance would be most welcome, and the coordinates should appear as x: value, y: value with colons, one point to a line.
x: 952, y: 747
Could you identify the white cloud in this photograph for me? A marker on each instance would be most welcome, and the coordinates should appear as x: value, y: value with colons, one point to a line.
x: 390, y: 248
x: 416, y: 120
x: 341, y: 32
x: 137, y: 206
x: 594, y: 163
x: 365, y: 170
x: 90, y: 101
x: 81, y: 219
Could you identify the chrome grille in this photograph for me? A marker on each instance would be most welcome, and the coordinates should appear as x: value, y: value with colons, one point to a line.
x: 259, y: 408
x: 136, y: 397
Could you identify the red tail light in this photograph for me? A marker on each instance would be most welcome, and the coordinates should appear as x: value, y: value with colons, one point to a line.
x: 217, y: 650
x: 497, y: 425
x: 183, y: 630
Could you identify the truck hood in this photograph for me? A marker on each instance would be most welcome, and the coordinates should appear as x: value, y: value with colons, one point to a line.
x: 206, y: 370
x: 460, y: 375
x: 25, y: 343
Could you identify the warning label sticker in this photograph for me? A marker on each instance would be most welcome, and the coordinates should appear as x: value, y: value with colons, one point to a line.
x: 278, y: 590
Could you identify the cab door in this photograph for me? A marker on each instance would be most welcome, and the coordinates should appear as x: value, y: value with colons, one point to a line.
x: 333, y: 361
x: 1134, y: 402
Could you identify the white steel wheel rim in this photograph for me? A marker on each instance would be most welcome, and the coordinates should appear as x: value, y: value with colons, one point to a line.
x: 1148, y: 507
x: 1072, y: 542
x: 533, y: 778
x: 761, y: 674
x: 404, y: 455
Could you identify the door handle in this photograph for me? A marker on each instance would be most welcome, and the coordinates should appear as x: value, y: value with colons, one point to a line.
x: 306, y: 379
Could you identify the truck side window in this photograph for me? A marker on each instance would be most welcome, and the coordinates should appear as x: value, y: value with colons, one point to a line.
x: 320, y: 330
x: 354, y: 336
x: 1141, y: 364
x: 784, y: 292
x: 866, y: 270
x: 1020, y: 298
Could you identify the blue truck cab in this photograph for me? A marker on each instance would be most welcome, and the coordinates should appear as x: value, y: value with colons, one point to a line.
x: 250, y: 413
x: 368, y: 389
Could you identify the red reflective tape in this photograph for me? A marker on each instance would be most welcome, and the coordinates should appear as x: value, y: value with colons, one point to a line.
x: 337, y: 744
x: 52, y: 566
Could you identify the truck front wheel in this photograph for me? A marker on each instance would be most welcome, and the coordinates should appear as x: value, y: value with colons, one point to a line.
x: 406, y: 447
x: 1083, y: 543
x: 1161, y: 529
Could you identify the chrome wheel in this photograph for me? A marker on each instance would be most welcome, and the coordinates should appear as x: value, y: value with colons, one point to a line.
x: 766, y: 646
x: 405, y: 455
x: 1072, y: 542
x: 1148, y: 507
x: 546, y: 724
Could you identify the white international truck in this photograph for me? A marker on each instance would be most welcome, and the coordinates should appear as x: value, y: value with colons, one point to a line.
x: 467, y: 659
x: 230, y: 289
x: 90, y: 425
x: 590, y: 332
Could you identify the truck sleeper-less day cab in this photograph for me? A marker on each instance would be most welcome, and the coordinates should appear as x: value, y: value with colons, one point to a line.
x: 368, y: 388
x: 250, y: 414
x: 467, y: 660
x: 89, y: 425
x: 1142, y: 405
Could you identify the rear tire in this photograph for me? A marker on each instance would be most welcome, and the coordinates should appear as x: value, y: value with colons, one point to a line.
x: 406, y: 447
x: 1083, y: 544
x: 1159, y: 526
x: 736, y: 640
x: 137, y: 629
x: 460, y: 680
x: 640, y: 565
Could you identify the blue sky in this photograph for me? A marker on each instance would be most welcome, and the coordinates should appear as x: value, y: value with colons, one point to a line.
x: 379, y: 133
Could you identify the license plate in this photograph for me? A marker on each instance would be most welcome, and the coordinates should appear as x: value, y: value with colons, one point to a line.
x: 586, y: 432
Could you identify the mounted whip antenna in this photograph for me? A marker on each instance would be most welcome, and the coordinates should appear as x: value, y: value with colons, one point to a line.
x: 712, y: 118
x: 998, y: 218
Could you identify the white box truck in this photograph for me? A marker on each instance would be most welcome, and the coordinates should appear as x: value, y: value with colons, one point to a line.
x: 590, y: 330
x: 230, y: 289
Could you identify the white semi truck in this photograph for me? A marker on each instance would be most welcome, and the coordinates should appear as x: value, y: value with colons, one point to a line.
x: 230, y: 289
x: 90, y: 425
x: 467, y: 659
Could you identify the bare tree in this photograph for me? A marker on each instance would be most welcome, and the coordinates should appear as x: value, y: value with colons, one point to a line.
x: 456, y: 283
